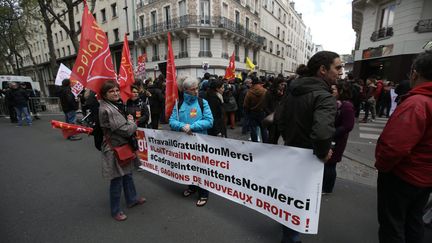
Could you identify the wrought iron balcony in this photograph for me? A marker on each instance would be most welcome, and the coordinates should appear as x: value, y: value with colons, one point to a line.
x: 383, y: 33
x: 183, y: 54
x: 205, y: 54
x: 196, y: 21
x: 424, y: 25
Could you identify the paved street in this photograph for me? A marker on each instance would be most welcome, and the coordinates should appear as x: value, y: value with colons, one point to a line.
x: 53, y: 192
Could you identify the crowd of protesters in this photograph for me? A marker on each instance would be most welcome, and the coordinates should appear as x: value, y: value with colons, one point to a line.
x: 312, y: 109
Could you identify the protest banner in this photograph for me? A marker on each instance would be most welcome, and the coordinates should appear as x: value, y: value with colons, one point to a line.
x: 281, y: 182
x: 63, y: 73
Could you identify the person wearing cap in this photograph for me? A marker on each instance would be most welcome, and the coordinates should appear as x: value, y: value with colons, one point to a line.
x: 254, y: 109
x: 69, y: 105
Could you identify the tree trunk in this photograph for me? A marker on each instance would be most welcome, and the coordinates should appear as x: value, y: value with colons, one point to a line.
x: 47, y: 22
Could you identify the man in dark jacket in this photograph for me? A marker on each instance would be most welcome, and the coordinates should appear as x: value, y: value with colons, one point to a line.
x: 19, y: 99
x: 69, y: 105
x: 307, y: 113
x: 404, y: 160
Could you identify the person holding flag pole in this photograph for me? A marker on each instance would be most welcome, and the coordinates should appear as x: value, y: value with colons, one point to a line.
x: 94, y: 69
x: 193, y: 115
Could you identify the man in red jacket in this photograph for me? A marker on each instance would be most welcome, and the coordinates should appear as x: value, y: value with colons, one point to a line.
x: 404, y: 160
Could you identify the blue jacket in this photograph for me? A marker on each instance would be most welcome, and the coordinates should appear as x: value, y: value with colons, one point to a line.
x: 190, y: 113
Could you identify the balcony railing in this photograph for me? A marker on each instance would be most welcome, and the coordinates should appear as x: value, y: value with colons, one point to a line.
x: 205, y: 54
x: 183, y: 54
x: 383, y: 33
x: 424, y: 25
x: 196, y: 21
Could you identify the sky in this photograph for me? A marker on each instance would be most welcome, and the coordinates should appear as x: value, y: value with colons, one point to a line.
x: 330, y: 23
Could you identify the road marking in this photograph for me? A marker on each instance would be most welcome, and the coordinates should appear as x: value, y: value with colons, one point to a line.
x: 380, y: 121
x: 382, y: 118
x: 371, y: 129
x: 369, y: 136
x: 362, y: 143
x: 369, y: 124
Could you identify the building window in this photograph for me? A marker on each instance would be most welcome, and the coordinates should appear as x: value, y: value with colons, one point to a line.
x: 254, y: 57
x: 387, y: 16
x: 246, y: 53
x: 154, y: 21
x: 114, y: 10
x: 237, y: 52
x: 182, y: 8
x: 225, y: 10
x: 237, y: 17
x: 116, y: 34
x: 183, y: 48
x: 103, y: 13
x: 205, y: 47
x: 155, y: 52
x: 78, y: 25
x: 271, y: 47
x: 61, y: 35
x: 247, y: 23
x: 167, y: 11
x: 278, y: 32
x: 141, y: 22
x: 386, y: 22
x: 205, y: 11
x: 69, y: 50
x: 64, y: 52
x: 56, y: 37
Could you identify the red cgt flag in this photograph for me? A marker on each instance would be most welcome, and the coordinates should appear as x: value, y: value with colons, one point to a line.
x: 70, y: 129
x: 126, y: 77
x: 93, y: 65
x: 230, y: 70
x: 171, y: 91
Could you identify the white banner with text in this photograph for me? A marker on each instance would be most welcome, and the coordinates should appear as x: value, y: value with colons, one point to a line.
x: 281, y: 182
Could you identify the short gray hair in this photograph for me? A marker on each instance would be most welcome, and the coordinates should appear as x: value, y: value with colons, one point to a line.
x: 189, y: 82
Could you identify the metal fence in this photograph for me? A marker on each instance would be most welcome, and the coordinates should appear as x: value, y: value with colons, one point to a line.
x: 40, y: 106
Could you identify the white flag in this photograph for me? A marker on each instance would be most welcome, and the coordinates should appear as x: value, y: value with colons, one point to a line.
x: 63, y: 73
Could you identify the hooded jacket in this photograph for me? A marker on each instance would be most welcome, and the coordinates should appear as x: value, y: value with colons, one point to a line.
x: 306, y: 115
x: 254, y: 100
x: 191, y: 113
x: 405, y: 145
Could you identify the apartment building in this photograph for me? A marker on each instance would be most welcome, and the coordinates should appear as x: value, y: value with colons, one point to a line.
x: 115, y: 17
x: 284, y: 32
x: 389, y: 35
x: 205, y: 33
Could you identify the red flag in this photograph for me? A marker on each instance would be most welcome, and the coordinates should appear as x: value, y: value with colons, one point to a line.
x: 171, y: 91
x: 230, y: 70
x: 70, y: 129
x: 126, y: 77
x: 93, y: 65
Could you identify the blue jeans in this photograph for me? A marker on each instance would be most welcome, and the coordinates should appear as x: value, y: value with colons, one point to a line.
x: 289, y: 235
x: 19, y: 111
x: 70, y: 117
x: 115, y: 192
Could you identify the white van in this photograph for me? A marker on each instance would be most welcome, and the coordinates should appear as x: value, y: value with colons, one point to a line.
x: 5, y: 80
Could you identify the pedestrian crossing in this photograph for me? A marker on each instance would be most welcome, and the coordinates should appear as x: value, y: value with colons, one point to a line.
x: 372, y: 129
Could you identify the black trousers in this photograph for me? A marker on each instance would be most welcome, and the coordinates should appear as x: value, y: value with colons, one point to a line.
x: 329, y: 177
x: 400, y: 210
